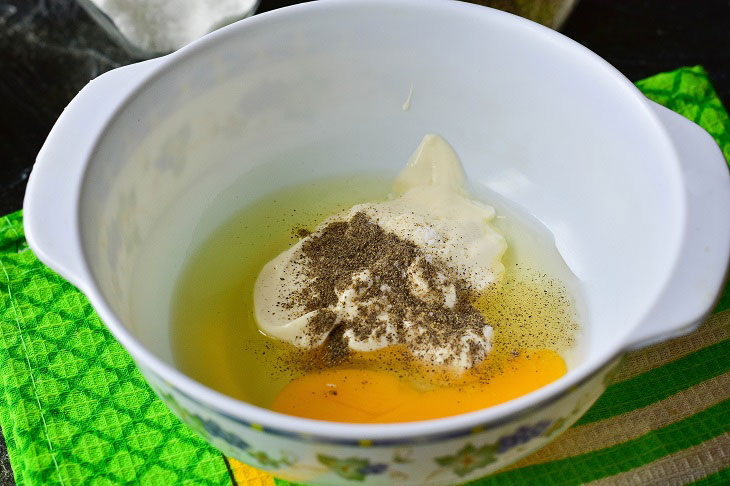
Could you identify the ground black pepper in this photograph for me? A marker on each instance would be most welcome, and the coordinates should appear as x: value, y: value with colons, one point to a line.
x: 420, y: 318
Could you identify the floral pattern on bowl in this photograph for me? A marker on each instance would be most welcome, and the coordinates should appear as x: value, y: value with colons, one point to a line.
x: 458, y: 457
x: 352, y: 467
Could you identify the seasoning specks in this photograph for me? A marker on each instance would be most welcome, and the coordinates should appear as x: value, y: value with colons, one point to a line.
x: 385, y: 289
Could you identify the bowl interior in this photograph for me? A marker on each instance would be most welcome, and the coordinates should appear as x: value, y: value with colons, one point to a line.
x: 318, y: 90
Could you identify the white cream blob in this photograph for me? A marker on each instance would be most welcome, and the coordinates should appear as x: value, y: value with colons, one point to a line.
x: 430, y: 208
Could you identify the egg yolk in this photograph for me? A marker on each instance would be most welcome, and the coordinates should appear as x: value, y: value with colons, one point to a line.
x: 366, y: 396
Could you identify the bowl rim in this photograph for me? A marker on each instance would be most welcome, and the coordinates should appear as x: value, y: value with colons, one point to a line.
x: 319, y: 430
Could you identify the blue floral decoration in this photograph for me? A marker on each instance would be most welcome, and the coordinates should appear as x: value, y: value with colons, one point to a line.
x: 352, y: 468
x: 522, y: 435
x: 215, y: 430
x: 376, y: 468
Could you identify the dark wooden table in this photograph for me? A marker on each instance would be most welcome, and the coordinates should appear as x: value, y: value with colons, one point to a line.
x: 49, y: 49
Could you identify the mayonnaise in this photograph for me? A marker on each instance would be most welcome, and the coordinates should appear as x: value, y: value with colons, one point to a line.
x: 430, y: 208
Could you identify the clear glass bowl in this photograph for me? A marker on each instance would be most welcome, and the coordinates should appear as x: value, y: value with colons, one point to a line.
x: 551, y: 13
x: 139, y: 52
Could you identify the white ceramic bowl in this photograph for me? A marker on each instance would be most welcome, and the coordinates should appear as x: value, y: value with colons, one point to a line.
x: 149, y: 158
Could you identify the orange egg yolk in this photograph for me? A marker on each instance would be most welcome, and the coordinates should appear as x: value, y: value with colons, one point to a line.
x: 366, y: 396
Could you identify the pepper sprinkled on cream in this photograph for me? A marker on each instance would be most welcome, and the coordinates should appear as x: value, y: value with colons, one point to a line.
x: 403, y: 271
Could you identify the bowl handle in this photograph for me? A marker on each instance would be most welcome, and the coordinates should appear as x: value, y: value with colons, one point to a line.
x: 703, y: 262
x: 50, y: 209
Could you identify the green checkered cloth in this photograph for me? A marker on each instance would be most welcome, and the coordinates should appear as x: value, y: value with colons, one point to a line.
x: 75, y: 410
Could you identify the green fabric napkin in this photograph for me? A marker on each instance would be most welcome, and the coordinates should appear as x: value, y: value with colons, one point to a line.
x: 75, y: 410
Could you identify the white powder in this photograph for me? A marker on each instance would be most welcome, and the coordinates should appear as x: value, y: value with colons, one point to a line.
x: 166, y: 25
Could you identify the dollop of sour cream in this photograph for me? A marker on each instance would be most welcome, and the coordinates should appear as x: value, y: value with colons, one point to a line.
x: 429, y: 207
